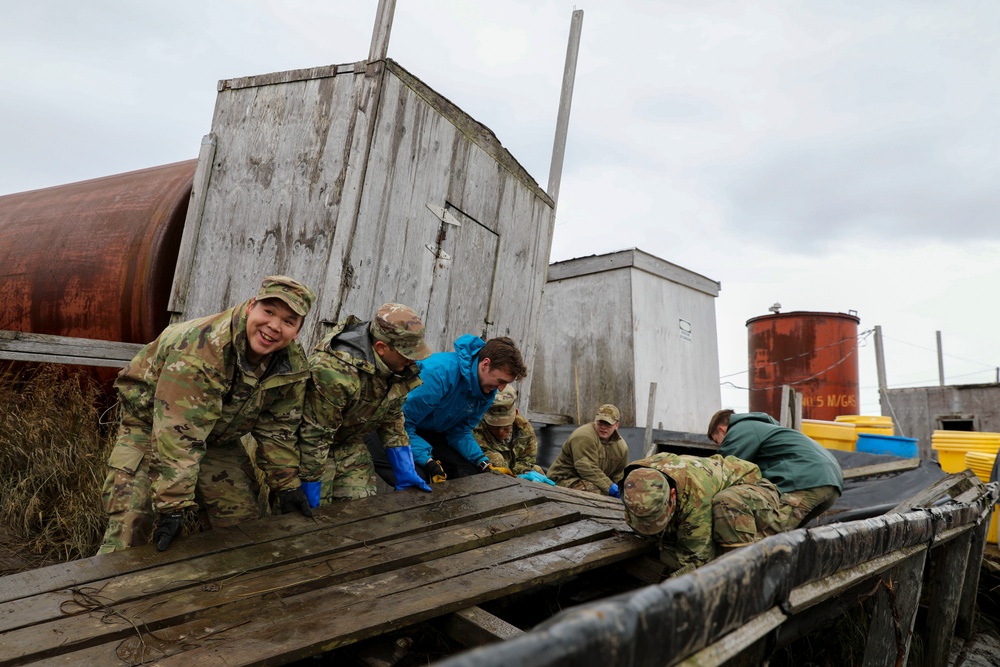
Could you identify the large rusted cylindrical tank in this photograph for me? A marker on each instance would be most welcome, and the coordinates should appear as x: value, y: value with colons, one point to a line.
x: 94, y: 259
x: 815, y: 353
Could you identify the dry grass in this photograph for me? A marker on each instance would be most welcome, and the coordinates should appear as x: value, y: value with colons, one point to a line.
x: 53, y: 448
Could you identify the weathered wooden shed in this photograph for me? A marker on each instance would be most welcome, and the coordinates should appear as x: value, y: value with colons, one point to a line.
x: 919, y: 411
x: 612, y: 324
x: 367, y: 185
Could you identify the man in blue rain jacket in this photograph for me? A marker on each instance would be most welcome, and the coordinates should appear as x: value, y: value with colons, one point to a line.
x: 458, y: 387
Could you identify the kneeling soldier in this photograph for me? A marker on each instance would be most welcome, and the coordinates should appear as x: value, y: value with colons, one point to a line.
x: 698, y: 507
x: 360, y: 376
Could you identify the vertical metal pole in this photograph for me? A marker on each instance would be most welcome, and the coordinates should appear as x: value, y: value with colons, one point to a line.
x: 565, y: 102
x: 940, y: 354
x: 880, y: 368
x: 380, y: 34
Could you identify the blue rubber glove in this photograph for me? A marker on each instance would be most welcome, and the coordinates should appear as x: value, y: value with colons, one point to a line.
x: 613, y: 491
x: 537, y: 477
x: 313, y: 491
x: 401, y: 460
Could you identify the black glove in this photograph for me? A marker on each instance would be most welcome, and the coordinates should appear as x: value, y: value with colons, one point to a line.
x: 168, y: 526
x: 435, y: 471
x: 292, y: 500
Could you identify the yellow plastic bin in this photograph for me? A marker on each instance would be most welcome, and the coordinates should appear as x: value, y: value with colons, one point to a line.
x: 952, y: 446
x: 981, y: 463
x: 832, y: 435
x: 874, y: 424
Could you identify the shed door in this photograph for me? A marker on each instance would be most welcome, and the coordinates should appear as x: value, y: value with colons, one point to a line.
x: 462, y: 286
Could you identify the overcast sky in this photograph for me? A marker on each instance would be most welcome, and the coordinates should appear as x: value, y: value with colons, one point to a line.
x: 830, y: 156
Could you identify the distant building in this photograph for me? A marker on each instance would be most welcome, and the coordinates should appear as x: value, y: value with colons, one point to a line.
x: 612, y: 324
x: 919, y: 411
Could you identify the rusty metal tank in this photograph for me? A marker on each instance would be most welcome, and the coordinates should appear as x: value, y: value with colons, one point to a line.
x: 815, y: 353
x: 94, y: 259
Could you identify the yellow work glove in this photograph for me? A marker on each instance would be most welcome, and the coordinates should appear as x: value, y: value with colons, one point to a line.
x: 435, y: 471
x: 486, y: 466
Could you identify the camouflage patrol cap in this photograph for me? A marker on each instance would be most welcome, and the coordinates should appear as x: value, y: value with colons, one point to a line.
x: 297, y: 296
x: 647, y: 500
x: 502, y: 412
x: 401, y: 327
x: 608, y: 414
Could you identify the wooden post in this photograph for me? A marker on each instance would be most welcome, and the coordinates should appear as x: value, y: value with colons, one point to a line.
x: 896, y: 605
x: 883, y: 401
x: 965, y: 622
x: 192, y: 224
x: 797, y: 412
x: 949, y: 563
x: 565, y: 103
x: 576, y: 381
x: 380, y: 34
x: 940, y: 356
x: 785, y: 416
x: 647, y: 440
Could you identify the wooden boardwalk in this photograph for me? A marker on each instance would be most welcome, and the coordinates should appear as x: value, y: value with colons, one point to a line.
x: 274, y: 591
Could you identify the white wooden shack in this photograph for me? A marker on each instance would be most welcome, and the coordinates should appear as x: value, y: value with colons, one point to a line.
x: 370, y: 187
x: 612, y: 324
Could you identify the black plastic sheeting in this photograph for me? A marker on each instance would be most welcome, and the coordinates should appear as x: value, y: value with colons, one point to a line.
x: 668, y: 622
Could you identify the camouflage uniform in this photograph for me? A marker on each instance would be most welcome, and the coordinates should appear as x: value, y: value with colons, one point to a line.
x: 187, y: 399
x: 519, y: 450
x: 722, y: 502
x: 352, y: 393
x: 586, y: 463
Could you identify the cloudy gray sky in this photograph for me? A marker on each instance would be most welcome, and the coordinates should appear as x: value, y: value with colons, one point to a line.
x: 831, y: 156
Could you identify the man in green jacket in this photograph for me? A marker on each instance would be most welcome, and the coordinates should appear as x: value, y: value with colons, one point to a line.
x: 360, y: 375
x: 696, y: 507
x: 188, y: 398
x: 594, y: 456
x: 808, y: 476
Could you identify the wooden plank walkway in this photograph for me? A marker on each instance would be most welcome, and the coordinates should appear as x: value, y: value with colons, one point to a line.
x: 277, y: 590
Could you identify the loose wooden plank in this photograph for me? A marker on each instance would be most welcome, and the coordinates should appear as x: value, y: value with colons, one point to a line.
x: 731, y: 645
x: 477, y: 627
x: 45, y: 348
x: 815, y: 592
x: 952, y: 484
x: 882, y: 468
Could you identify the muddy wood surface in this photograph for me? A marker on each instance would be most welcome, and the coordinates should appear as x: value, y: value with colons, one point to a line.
x: 280, y: 589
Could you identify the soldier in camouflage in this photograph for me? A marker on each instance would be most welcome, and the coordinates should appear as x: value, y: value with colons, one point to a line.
x: 508, y: 439
x: 188, y: 398
x: 360, y: 375
x: 696, y: 507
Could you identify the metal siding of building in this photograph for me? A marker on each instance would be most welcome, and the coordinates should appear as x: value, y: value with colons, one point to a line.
x: 684, y: 363
x: 585, y: 333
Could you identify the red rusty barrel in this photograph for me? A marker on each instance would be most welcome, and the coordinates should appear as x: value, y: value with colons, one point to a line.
x: 94, y: 259
x: 815, y: 353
